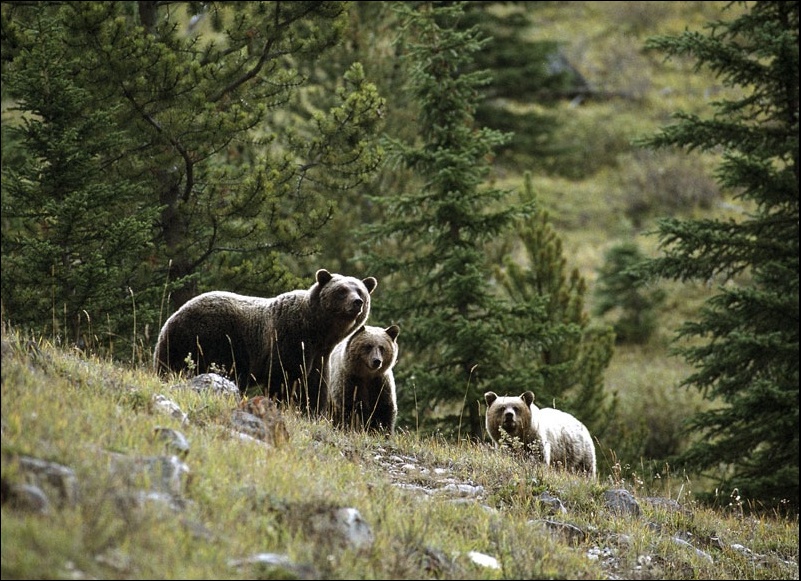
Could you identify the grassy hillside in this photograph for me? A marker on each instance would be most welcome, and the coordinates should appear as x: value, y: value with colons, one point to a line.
x: 91, y: 491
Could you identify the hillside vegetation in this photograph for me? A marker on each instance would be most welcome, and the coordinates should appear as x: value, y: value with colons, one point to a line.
x: 90, y: 490
x: 427, y: 503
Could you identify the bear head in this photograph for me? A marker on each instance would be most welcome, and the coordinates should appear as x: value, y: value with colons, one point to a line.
x: 509, y: 417
x: 345, y: 298
x: 372, y: 351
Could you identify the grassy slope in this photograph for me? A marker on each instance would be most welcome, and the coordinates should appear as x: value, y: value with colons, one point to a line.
x: 245, y: 497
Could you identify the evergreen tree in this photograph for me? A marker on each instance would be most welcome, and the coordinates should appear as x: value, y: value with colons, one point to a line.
x: 461, y: 336
x: 745, y: 344
x: 566, y: 366
x: 619, y: 291
x: 222, y: 132
x: 58, y: 265
x: 437, y: 288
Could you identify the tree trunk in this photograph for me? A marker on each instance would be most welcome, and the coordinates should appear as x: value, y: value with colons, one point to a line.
x: 175, y: 233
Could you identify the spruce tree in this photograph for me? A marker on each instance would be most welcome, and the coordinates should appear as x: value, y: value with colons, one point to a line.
x: 565, y: 366
x: 619, y: 292
x: 223, y: 134
x: 461, y: 335
x: 73, y: 243
x: 744, y: 345
x: 434, y: 271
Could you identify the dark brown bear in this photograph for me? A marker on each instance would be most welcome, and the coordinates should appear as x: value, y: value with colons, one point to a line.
x: 361, y: 381
x: 281, y: 344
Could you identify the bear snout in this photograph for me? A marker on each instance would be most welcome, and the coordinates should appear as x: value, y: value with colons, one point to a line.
x: 509, y: 419
x: 356, y: 306
x: 376, y: 363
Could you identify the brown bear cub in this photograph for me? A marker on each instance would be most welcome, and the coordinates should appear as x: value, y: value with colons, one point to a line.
x: 281, y: 344
x: 361, y: 381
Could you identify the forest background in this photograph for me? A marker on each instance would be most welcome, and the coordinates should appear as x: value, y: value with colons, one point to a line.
x: 242, y: 146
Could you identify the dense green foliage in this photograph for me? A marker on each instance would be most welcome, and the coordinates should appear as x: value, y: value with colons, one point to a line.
x: 523, y: 71
x: 744, y: 346
x: 619, y: 291
x: 56, y: 192
x: 218, y: 131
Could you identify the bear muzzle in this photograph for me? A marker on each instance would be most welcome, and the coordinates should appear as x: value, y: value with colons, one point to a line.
x: 356, y: 307
x: 509, y: 420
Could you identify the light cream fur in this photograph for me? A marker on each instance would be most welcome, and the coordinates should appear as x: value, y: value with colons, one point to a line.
x: 559, y: 436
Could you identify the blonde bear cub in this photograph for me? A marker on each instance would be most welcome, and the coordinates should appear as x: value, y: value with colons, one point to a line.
x: 560, y: 437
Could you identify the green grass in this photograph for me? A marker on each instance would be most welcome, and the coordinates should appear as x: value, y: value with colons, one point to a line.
x: 244, y: 497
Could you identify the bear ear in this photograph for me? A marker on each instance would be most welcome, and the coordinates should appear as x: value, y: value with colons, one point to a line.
x: 370, y: 282
x: 490, y: 397
x: 528, y: 397
x: 323, y: 276
x: 393, y: 331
